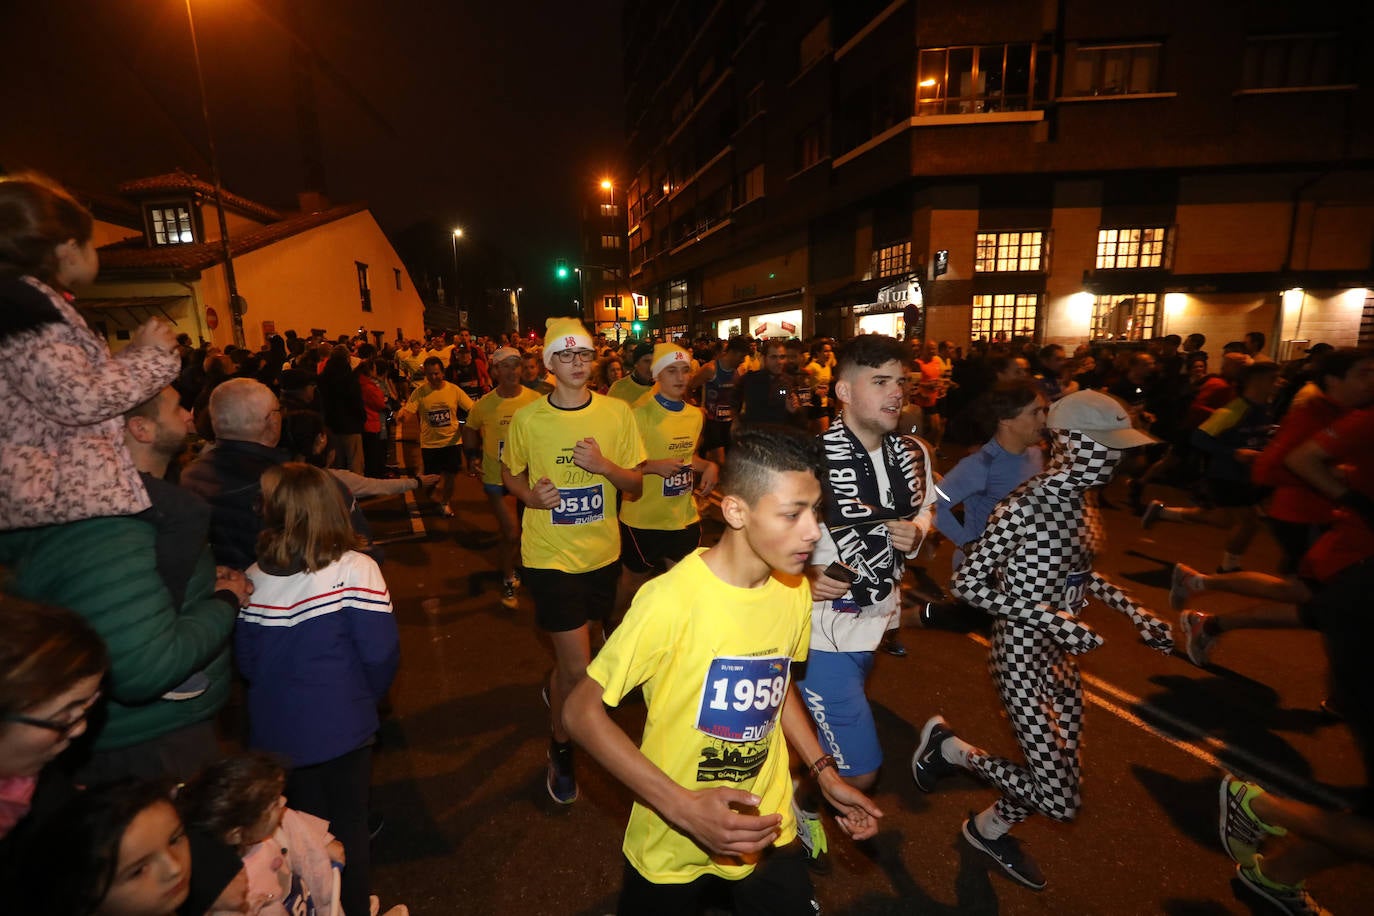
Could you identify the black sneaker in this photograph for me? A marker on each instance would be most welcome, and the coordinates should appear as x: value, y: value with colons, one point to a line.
x: 1006, y: 852
x: 559, y: 778
x: 892, y: 645
x: 1151, y: 514
x: 928, y: 765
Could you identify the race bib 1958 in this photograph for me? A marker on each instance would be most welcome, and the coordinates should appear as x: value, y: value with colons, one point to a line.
x: 579, y: 506
x: 741, y: 697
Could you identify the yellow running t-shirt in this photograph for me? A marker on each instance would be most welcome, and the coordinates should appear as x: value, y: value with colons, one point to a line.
x: 581, y: 534
x: 490, y: 418
x: 438, y: 413
x: 716, y: 662
x: 668, y: 503
x: 628, y: 390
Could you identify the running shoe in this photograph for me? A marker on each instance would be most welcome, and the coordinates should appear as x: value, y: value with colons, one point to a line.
x: 928, y: 765
x: 1241, y: 830
x: 811, y: 832
x: 1179, y: 592
x: 446, y: 510
x: 508, y: 599
x: 1151, y: 514
x: 1197, y: 642
x: 1006, y: 851
x: 559, y: 778
x: 1285, y: 898
x: 892, y: 645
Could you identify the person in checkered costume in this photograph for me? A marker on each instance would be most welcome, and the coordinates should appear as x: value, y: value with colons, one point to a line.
x: 1033, y: 571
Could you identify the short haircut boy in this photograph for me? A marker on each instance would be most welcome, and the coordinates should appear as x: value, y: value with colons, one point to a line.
x: 758, y: 453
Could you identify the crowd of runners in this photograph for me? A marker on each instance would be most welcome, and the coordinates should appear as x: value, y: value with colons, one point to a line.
x: 144, y: 576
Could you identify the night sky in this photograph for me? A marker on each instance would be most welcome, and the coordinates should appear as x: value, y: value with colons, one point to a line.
x: 488, y: 115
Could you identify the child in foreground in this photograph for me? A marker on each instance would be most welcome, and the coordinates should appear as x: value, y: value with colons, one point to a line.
x: 712, y: 641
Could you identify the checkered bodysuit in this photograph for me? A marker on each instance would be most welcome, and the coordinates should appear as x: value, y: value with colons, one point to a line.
x: 1032, y: 569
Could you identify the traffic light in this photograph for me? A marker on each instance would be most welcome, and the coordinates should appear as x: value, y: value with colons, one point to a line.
x: 560, y: 269
x: 636, y: 327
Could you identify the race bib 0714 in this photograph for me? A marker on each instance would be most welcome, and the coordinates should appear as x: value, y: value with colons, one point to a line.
x: 580, y: 506
x: 440, y: 417
x: 740, y: 697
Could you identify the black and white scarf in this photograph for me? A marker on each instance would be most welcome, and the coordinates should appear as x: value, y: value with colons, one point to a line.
x: 854, y: 510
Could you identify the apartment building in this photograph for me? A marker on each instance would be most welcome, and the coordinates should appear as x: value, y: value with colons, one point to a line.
x: 1065, y: 170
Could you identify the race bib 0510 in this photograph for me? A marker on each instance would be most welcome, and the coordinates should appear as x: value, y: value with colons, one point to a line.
x: 741, y: 697
x: 1076, y: 591
x: 579, y: 506
x: 679, y: 483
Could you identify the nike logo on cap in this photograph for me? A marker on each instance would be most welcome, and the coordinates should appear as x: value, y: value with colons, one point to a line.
x: 1121, y: 419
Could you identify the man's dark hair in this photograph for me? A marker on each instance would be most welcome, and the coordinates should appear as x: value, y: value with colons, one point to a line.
x: 870, y: 351
x: 1172, y: 339
x: 1004, y: 401
x: 1048, y: 351
x: 1253, y: 371
x: 737, y: 345
x: 1199, y: 340
x: 1235, y: 346
x: 1256, y: 338
x: 795, y: 344
x: 759, y: 452
x: 1338, y: 363
x: 432, y: 359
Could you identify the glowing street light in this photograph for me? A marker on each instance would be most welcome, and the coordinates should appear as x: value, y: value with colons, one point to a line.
x: 457, y: 234
x: 606, y: 184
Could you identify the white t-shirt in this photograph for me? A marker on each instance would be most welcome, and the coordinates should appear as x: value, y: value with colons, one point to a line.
x: 853, y: 628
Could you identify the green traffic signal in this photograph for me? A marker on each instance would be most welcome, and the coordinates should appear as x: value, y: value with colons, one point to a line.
x: 562, y: 273
x: 637, y: 327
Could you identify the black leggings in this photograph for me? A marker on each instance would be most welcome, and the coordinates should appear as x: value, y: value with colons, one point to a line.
x: 337, y: 791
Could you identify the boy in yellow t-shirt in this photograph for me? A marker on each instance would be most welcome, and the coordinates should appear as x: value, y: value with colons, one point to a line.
x: 663, y: 525
x: 437, y: 404
x: 566, y: 456
x: 489, y: 421
x: 712, y: 641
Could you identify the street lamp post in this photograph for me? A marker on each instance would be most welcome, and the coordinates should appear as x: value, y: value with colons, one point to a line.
x: 236, y: 304
x: 457, y: 234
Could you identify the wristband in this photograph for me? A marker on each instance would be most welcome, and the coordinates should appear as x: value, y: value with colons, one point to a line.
x: 821, y: 763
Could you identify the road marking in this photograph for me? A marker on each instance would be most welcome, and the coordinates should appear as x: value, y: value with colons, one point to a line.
x: 417, y: 523
x: 1201, y: 745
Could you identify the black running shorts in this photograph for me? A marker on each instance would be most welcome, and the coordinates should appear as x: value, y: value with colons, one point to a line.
x: 564, y: 601
x: 645, y: 550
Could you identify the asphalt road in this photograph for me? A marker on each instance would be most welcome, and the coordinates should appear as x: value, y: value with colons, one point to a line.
x: 469, y: 828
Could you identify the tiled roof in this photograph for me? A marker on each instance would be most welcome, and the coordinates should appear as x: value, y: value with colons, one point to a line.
x: 185, y: 181
x: 133, y: 255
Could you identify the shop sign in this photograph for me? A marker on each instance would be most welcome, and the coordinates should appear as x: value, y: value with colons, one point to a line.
x: 893, y: 298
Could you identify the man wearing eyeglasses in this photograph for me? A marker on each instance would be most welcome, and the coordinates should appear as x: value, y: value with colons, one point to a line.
x: 566, y: 456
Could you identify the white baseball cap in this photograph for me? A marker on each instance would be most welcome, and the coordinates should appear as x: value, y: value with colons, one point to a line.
x: 1100, y: 417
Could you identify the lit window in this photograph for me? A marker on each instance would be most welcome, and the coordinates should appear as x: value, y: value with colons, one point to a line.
x: 1297, y: 62
x: 171, y: 225
x: 1004, y: 252
x: 1126, y: 317
x: 894, y: 260
x: 1119, y: 69
x: 1004, y: 316
x: 610, y: 209
x: 1126, y: 249
x: 610, y: 241
x: 986, y: 78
